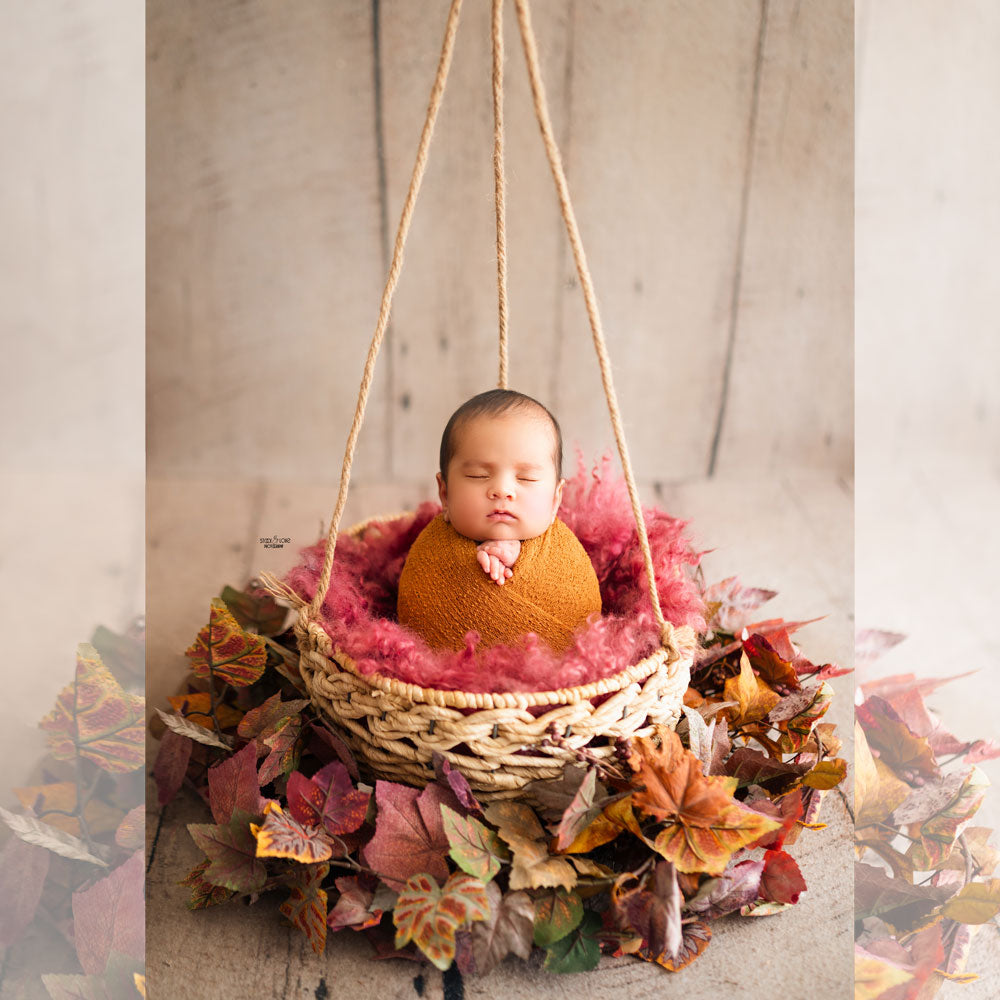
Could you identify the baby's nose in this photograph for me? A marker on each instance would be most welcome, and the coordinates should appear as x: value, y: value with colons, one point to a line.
x: 502, y: 489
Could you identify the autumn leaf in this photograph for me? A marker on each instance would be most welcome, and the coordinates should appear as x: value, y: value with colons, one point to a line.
x: 903, y: 905
x: 268, y: 718
x: 533, y: 866
x: 581, y: 811
x: 554, y: 795
x: 615, y: 818
x: 937, y: 834
x: 754, y: 697
x: 407, y: 839
x: 131, y: 831
x: 975, y: 903
x: 457, y: 782
x: 781, y: 880
x: 306, y: 906
x: 796, y: 729
x: 895, y: 742
x: 232, y: 852
x: 769, y: 665
x: 171, y: 765
x: 224, y: 650
x: 232, y: 785
x: 751, y: 767
x: 326, y: 745
x: 33, y: 831
x: 95, y: 719
x: 283, y: 836
x: 197, y: 707
x: 192, y: 731
x: 732, y: 601
x: 507, y: 930
x: 430, y: 915
x: 259, y: 614
x: 653, y: 911
x: 328, y: 799
x: 283, y: 753
x: 475, y: 848
x: 826, y: 774
x: 694, y: 941
x: 203, y: 893
x: 578, y: 951
x: 874, y: 976
x: 738, y: 886
x: 556, y: 913
x: 976, y: 841
x: 704, y: 825
x: 48, y: 803
x: 110, y: 916
x: 361, y: 904
x: 877, y: 791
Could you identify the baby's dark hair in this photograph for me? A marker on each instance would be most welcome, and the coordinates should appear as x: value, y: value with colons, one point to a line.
x: 493, y: 403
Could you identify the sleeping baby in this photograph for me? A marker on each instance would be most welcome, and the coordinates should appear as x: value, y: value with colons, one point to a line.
x: 497, y: 560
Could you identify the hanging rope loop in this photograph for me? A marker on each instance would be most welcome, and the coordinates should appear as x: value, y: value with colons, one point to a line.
x: 499, y: 183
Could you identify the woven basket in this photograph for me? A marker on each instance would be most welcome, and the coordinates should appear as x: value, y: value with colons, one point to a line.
x: 394, y: 727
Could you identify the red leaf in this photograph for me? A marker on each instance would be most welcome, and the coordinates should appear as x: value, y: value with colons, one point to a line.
x: 788, y: 809
x: 405, y: 844
x: 283, y: 754
x: 171, y: 765
x: 333, y: 744
x: 232, y: 785
x: 457, y: 782
x: 781, y: 881
x: 328, y: 799
x: 23, y: 869
x: 306, y: 906
x: 355, y: 907
x: 264, y: 720
x: 110, y: 916
x: 225, y: 650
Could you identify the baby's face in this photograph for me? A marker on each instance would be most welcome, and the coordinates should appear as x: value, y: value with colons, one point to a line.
x: 502, y: 479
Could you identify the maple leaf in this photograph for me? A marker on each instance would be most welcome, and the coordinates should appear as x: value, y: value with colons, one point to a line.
x: 781, y: 881
x: 556, y: 913
x: 232, y: 785
x: 409, y: 839
x: 110, y: 916
x: 282, y: 744
x: 262, y: 723
x: 306, y: 906
x: 429, y: 915
x: 533, y: 866
x: 788, y: 810
x: 754, y: 698
x: 738, y: 886
x: 898, y: 747
x: 328, y: 799
x: 23, y: 870
x: 232, y: 853
x: 704, y: 825
x: 475, y: 848
x: 361, y: 904
x: 197, y: 707
x: 282, y: 836
x: 203, y: 893
x: 732, y: 601
x: 938, y: 833
x: 224, y: 650
x: 695, y: 939
x: 171, y: 765
x: 615, y: 818
x: 578, y: 951
x: 260, y: 614
x: 507, y: 930
x: 95, y: 719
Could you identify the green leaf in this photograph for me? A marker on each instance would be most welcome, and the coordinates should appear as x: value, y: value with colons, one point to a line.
x: 475, y: 848
x: 557, y: 912
x: 578, y: 951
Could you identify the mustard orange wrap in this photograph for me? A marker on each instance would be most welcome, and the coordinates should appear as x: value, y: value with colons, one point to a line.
x: 444, y: 593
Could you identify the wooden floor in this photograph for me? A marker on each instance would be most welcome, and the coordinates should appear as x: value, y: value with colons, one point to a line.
x: 791, y: 534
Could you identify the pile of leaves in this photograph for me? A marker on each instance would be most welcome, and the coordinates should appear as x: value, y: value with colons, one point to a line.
x: 73, y: 864
x: 633, y: 855
x: 923, y: 881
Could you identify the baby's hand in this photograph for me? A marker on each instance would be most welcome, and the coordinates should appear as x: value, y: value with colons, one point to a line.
x: 496, y: 557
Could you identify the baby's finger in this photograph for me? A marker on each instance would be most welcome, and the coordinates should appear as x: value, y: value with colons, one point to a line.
x: 508, y: 572
x: 484, y: 560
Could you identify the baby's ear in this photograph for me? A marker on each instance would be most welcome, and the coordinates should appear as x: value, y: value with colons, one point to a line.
x: 557, y: 500
x: 442, y: 490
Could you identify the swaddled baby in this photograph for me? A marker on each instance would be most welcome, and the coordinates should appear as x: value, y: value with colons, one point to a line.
x: 497, y: 560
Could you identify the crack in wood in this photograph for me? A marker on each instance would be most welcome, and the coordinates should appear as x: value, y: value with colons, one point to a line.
x: 156, y: 839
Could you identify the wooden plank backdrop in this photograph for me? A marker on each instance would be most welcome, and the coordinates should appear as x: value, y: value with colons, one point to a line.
x: 709, y: 153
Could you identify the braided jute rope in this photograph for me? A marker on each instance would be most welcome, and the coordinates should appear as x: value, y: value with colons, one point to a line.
x: 499, y: 185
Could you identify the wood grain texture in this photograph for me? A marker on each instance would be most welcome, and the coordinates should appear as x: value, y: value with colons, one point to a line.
x: 263, y: 259
x: 789, y: 397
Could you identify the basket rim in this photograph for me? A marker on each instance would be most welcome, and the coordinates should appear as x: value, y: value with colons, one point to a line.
x: 670, y: 655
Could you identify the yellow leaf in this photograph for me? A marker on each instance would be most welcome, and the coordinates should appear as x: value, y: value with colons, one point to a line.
x: 976, y: 903
x: 872, y: 977
x: 61, y: 796
x: 877, y: 791
x: 754, y: 697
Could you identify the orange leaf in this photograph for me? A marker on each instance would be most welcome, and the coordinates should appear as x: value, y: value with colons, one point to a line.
x: 616, y: 817
x: 223, y: 648
x: 197, y: 707
x: 754, y: 697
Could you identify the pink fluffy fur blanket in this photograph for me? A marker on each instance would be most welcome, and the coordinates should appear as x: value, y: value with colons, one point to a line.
x: 359, y: 610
